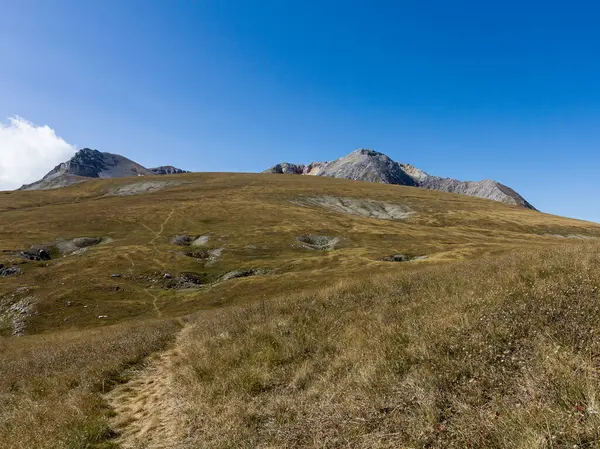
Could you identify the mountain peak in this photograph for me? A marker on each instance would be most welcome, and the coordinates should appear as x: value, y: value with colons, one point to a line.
x: 84, y: 151
x: 365, y: 164
x: 89, y: 163
x: 368, y: 152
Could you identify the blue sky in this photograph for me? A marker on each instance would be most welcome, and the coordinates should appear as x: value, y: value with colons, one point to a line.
x: 468, y: 89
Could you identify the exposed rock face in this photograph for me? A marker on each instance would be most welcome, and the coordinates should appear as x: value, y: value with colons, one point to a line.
x: 365, y: 165
x: 492, y: 190
x: 243, y: 274
x: 365, y: 208
x: 79, y: 243
x: 360, y: 165
x: 318, y: 242
x: 489, y: 189
x: 369, y: 165
x: 140, y: 187
x: 10, y: 271
x: 287, y: 169
x: 167, y: 170
x: 88, y: 163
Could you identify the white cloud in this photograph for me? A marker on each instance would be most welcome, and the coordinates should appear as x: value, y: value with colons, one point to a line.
x: 28, y: 152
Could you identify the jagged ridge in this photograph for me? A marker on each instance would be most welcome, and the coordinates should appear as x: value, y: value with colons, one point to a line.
x: 372, y: 166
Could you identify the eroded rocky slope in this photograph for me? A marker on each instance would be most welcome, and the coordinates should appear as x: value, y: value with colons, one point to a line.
x: 372, y: 166
x: 88, y: 163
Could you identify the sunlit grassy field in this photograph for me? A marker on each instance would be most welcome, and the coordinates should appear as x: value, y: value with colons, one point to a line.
x: 495, y: 353
x: 488, y: 342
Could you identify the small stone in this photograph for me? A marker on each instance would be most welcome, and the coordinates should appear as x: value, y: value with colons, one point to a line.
x: 43, y: 254
x: 10, y: 271
x: 402, y: 258
x: 167, y: 276
x: 69, y: 303
x: 182, y: 240
x: 115, y: 275
x: 243, y: 273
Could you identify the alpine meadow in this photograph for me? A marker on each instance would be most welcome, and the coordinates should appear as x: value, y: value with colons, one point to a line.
x: 253, y: 310
x: 230, y: 224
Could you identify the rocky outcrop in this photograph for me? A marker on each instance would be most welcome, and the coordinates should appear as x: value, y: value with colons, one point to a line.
x: 167, y: 170
x: 88, y: 163
x: 372, y: 166
x: 489, y: 189
x: 362, y: 207
x: 9, y: 271
x: 288, y: 169
x: 360, y: 165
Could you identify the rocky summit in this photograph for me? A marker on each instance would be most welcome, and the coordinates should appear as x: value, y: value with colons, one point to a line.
x: 167, y: 170
x: 372, y: 166
x: 88, y: 163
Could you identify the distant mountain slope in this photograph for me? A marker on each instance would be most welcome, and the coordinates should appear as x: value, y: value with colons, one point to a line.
x: 372, y: 166
x: 88, y: 163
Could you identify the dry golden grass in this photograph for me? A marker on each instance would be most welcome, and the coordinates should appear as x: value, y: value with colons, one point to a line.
x: 434, y: 353
x: 52, y: 386
x: 147, y: 412
x: 495, y: 353
x: 255, y: 219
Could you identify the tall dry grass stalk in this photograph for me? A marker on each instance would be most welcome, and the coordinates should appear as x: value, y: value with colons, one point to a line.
x: 51, y: 386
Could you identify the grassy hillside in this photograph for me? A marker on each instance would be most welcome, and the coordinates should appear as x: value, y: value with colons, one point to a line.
x: 495, y: 353
x: 90, y: 314
x: 254, y: 221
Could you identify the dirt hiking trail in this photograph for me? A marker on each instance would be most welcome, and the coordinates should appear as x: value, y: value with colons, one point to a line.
x: 146, y: 412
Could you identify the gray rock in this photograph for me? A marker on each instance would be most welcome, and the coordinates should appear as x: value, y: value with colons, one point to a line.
x: 186, y: 280
x: 243, y: 273
x: 89, y: 164
x: 141, y: 187
x: 402, y: 258
x: 201, y: 241
x: 372, y: 166
x: 287, y: 169
x: 83, y: 242
x: 360, y: 165
x: 167, y: 170
x: 14, y: 311
x: 355, y: 206
x: 77, y: 245
x: 489, y: 189
x: 10, y: 271
x: 182, y: 240
x: 34, y: 253
x: 397, y: 258
x: 318, y: 242
x: 213, y: 256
